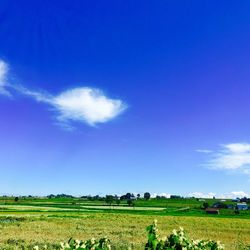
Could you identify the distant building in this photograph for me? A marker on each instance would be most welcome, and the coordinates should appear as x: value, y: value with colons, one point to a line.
x: 242, y: 206
x: 211, y: 210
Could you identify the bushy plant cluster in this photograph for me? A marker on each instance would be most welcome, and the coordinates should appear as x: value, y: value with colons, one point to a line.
x: 177, y: 240
x: 92, y: 244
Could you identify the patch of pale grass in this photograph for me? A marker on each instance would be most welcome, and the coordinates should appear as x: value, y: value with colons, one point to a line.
x: 123, y: 229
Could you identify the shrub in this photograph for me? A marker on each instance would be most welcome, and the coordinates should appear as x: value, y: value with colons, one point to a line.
x: 92, y: 244
x: 177, y: 240
x: 205, y: 205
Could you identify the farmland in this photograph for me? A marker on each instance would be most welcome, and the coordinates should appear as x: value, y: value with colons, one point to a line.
x: 49, y: 221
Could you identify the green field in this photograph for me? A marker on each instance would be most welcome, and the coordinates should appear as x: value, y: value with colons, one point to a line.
x: 50, y: 221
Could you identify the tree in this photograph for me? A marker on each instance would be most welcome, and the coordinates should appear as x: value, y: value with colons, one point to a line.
x: 244, y: 199
x: 131, y: 202
x: 16, y: 199
x: 237, y: 211
x: 138, y: 196
x: 109, y: 199
x: 147, y: 196
x: 128, y: 196
x: 219, y: 205
x: 118, y: 201
x: 123, y: 197
x: 205, y: 205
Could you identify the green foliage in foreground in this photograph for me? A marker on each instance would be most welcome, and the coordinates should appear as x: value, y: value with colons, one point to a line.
x: 177, y: 240
x: 93, y: 244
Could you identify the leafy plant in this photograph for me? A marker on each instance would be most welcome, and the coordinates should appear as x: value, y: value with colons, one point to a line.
x: 177, y: 240
x: 92, y: 244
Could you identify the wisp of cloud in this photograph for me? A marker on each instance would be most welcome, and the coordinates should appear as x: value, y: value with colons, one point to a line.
x: 4, y: 68
x: 82, y: 104
x: 231, y: 157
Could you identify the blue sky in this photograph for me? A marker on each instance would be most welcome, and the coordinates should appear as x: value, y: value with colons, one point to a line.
x: 117, y: 96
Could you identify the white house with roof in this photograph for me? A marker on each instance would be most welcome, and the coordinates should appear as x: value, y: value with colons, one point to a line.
x: 242, y: 206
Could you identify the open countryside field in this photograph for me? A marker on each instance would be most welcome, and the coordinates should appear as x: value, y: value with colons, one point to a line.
x: 124, y: 125
x: 49, y: 221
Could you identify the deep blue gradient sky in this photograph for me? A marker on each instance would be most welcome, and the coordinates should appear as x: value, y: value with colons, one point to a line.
x: 182, y: 68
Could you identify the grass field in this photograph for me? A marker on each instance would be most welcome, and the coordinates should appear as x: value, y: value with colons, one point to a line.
x: 31, y: 222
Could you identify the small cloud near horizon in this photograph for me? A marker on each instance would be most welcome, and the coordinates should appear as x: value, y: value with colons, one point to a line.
x: 231, y: 195
x: 202, y: 195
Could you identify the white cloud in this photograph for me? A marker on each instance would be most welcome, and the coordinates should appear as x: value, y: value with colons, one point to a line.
x: 38, y: 96
x: 4, y: 68
x: 87, y: 104
x: 239, y: 194
x: 231, y: 157
x: 166, y: 195
x: 202, y: 195
x: 238, y: 147
x: 206, y: 151
x: 233, y: 194
x: 82, y: 104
